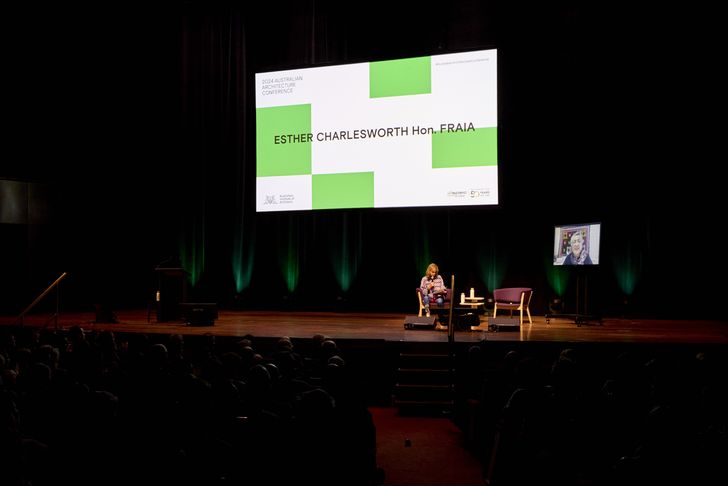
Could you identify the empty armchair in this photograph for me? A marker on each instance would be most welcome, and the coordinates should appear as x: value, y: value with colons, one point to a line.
x: 513, y: 298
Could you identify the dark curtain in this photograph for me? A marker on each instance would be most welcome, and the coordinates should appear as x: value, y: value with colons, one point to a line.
x: 140, y: 120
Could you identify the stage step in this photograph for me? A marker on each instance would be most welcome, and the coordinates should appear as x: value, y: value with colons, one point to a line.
x: 424, y: 408
x: 424, y: 384
x: 423, y: 392
x: 425, y: 360
x: 424, y: 376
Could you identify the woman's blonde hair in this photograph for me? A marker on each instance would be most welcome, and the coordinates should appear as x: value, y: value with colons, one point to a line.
x: 432, y: 265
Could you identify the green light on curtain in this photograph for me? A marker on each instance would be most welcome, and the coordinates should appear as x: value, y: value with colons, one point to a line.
x: 192, y: 250
x: 242, y: 263
x: 346, y: 253
x: 291, y: 272
x: 557, y: 276
x: 627, y: 269
x: 243, y: 252
x: 492, y: 267
x: 289, y: 258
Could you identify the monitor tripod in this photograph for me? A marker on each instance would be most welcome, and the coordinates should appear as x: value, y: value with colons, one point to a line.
x: 581, y: 315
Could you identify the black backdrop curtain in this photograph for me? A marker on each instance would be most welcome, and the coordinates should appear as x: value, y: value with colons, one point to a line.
x: 139, y: 124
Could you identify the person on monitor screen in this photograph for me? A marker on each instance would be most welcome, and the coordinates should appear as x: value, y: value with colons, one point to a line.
x: 432, y: 287
x: 578, y: 254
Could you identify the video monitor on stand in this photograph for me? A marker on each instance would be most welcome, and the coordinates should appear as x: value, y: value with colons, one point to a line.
x: 577, y: 245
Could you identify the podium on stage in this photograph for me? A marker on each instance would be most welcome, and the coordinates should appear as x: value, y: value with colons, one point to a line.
x: 171, y: 292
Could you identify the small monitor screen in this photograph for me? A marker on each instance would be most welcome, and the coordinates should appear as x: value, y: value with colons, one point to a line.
x: 577, y: 244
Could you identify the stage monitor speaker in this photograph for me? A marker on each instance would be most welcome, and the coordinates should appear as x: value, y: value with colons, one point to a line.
x: 199, y: 314
x: 415, y: 322
x: 504, y: 323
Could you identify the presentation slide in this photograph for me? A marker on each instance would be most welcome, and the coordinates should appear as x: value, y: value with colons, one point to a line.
x: 412, y: 132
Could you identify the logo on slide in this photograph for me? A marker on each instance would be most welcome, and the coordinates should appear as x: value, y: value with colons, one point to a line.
x: 479, y: 193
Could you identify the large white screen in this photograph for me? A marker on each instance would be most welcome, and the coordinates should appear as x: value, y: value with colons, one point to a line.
x: 401, y: 133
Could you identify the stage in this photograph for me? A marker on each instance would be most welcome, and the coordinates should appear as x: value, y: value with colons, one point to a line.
x: 390, y: 327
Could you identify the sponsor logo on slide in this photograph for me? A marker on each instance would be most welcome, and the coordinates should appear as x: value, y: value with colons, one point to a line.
x: 280, y: 199
x: 474, y: 193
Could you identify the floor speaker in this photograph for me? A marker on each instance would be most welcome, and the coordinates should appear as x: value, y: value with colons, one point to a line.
x: 199, y: 314
x: 504, y: 323
x: 415, y: 322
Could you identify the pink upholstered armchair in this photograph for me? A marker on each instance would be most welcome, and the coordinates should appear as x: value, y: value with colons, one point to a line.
x: 513, y: 298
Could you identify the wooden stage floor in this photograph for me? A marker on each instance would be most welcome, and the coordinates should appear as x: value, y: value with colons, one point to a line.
x: 390, y: 327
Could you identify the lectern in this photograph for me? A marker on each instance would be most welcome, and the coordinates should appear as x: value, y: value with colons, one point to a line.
x: 171, y: 292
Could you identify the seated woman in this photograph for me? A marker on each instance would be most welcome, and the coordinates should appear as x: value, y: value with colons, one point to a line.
x: 432, y: 287
x: 578, y: 254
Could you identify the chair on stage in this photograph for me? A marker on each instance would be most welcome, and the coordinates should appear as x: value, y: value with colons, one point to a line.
x: 513, y: 298
x: 434, y: 306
